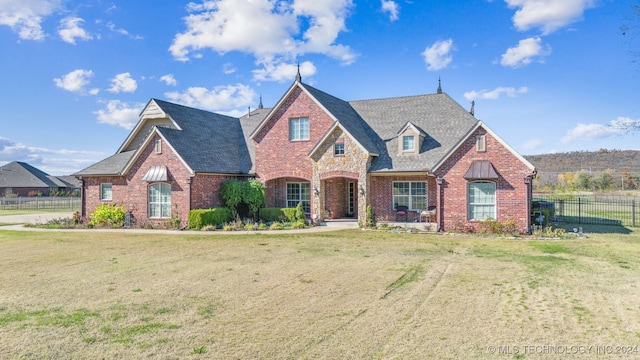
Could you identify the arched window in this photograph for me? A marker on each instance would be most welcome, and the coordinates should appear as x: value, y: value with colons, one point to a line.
x: 481, y: 200
x: 160, y: 200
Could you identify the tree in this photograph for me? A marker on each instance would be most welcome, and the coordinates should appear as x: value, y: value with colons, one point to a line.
x: 604, y: 181
x: 251, y: 193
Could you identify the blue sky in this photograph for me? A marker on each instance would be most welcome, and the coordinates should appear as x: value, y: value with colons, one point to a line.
x: 546, y: 75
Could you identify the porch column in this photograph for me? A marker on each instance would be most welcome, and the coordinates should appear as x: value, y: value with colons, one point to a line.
x: 439, y: 203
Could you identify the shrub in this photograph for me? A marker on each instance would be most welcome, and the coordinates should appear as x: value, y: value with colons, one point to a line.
x: 107, y: 215
x: 271, y: 214
x: 276, y: 226
x: 370, y: 220
x: 300, y: 212
x: 298, y: 224
x: 200, y: 218
x: 289, y: 213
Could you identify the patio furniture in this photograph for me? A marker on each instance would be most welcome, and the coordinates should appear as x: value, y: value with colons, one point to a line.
x: 402, y: 211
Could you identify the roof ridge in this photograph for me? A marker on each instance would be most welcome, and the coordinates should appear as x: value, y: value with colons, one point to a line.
x: 396, y: 97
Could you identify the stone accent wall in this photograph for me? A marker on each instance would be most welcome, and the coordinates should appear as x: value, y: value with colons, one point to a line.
x: 511, y: 190
x: 330, y: 173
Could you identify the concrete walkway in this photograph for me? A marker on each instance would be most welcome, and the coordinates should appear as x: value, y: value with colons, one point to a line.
x: 20, y: 220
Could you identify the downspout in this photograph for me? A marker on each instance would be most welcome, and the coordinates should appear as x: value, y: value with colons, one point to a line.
x: 83, y: 204
x: 439, y: 204
x: 528, y: 180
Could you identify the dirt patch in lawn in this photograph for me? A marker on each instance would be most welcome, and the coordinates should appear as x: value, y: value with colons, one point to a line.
x: 348, y: 294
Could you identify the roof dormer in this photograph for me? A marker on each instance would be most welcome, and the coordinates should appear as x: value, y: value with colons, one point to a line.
x: 410, y: 139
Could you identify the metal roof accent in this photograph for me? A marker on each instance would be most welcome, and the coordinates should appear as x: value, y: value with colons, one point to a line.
x: 156, y: 173
x: 481, y: 169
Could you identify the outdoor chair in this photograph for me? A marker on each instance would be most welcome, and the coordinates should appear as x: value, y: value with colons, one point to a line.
x: 428, y: 213
x: 402, y: 211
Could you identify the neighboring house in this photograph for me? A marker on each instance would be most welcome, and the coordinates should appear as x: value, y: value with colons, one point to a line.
x: 333, y: 156
x: 21, y: 179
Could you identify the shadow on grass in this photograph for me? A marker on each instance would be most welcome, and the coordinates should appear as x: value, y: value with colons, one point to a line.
x: 595, y: 229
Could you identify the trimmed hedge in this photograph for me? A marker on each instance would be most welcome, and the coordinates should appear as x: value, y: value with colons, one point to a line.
x: 200, y: 218
x: 271, y: 214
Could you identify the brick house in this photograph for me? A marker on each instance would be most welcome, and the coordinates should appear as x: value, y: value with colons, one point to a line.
x: 19, y: 179
x: 336, y: 157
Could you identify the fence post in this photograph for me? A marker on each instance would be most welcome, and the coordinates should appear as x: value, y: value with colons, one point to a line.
x: 579, y: 212
x: 633, y: 213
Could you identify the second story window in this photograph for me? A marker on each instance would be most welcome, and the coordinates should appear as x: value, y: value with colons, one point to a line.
x: 338, y: 149
x: 299, y: 129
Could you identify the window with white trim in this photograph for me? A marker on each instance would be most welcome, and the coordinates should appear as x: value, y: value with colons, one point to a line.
x: 412, y: 194
x: 158, y: 146
x: 160, y: 200
x: 299, y: 129
x: 299, y: 192
x: 482, y: 200
x: 106, y: 191
x: 338, y: 149
x: 408, y: 143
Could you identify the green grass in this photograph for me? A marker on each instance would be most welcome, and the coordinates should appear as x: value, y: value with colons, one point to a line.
x: 343, y: 294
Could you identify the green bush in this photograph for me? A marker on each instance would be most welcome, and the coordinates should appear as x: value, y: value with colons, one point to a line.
x: 290, y: 214
x: 107, y: 215
x: 276, y: 226
x: 235, y: 192
x: 300, y: 216
x: 271, y: 214
x: 200, y: 218
x: 298, y: 224
x: 370, y: 220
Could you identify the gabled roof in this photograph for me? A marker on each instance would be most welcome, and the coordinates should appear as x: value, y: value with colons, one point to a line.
x: 442, y: 120
x: 338, y: 109
x: 22, y: 175
x: 206, y: 142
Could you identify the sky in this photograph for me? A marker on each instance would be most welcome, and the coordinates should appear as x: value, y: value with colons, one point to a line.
x: 546, y: 75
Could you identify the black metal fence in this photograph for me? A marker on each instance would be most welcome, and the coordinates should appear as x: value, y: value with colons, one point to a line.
x: 590, y: 209
x: 40, y: 203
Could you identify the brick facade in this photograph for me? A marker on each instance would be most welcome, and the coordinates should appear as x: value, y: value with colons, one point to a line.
x: 511, y: 189
x: 337, y: 181
x: 187, y: 192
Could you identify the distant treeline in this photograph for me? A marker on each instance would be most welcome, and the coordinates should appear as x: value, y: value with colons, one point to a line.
x: 600, y: 170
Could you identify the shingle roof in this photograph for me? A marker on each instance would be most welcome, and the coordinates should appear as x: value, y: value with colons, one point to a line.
x: 442, y: 119
x: 113, y: 165
x: 348, y: 118
x: 215, y: 143
x: 22, y: 175
x: 207, y: 142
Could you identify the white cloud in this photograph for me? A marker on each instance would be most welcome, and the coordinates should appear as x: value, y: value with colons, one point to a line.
x: 283, y: 72
x: 495, y: 93
x: 524, y: 53
x: 218, y: 99
x: 228, y: 68
x: 76, y: 81
x: 169, y: 80
x: 111, y: 26
x: 437, y: 56
x: 25, y: 16
x: 392, y: 8
x: 619, y: 126
x: 70, y: 30
x: 265, y: 28
x: 51, y: 161
x: 548, y: 15
x: 532, y: 144
x: 590, y: 132
x: 120, y: 113
x: 123, y: 83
